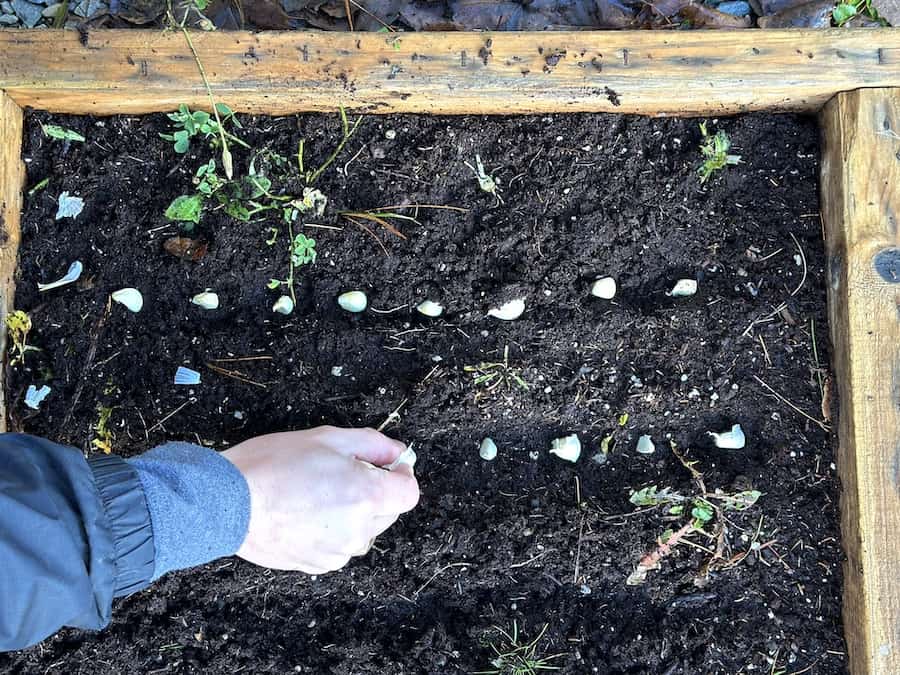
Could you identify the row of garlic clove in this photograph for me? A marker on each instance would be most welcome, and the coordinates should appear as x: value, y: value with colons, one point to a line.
x: 569, y: 447
x: 606, y: 288
x: 133, y: 301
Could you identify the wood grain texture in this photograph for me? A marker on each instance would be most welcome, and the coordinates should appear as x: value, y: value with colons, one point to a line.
x: 12, y: 175
x: 861, y: 207
x: 648, y: 72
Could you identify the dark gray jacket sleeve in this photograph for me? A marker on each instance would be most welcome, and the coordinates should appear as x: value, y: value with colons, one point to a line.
x: 76, y: 533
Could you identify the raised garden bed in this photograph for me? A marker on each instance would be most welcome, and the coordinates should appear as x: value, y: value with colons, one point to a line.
x: 520, y: 541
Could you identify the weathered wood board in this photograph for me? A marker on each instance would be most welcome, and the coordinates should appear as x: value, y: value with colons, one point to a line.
x: 12, y: 173
x: 651, y: 73
x: 647, y: 72
x: 861, y: 208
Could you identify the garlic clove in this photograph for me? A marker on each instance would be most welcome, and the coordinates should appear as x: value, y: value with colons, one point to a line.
x: 353, y: 301
x: 207, y: 300
x: 71, y: 276
x: 645, y: 445
x: 604, y: 288
x: 567, y: 448
x: 284, y: 305
x: 509, y: 311
x: 407, y: 457
x: 487, y: 450
x: 430, y: 308
x: 683, y: 288
x: 131, y: 298
x: 34, y: 396
x: 186, y: 376
x: 730, y: 440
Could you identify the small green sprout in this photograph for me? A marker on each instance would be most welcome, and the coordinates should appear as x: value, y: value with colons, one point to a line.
x: 495, y: 374
x: 302, y: 252
x: 189, y: 124
x: 103, y: 438
x: 514, y: 657
x: 61, y: 133
x: 40, y: 185
x: 651, y: 496
x: 715, y: 152
x: 273, y: 236
x: 485, y: 181
x: 347, y: 132
x: 18, y: 323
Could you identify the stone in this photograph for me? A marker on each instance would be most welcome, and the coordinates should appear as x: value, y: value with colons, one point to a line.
x: 6, y: 7
x: 9, y: 20
x: 735, y: 8
x: 29, y: 14
x: 52, y: 10
x: 87, y: 8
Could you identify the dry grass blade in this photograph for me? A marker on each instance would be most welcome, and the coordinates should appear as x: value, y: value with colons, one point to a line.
x: 380, y: 218
x: 233, y: 374
x: 368, y: 231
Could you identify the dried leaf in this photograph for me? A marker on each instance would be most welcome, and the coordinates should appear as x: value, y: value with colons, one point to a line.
x: 186, y: 248
x: 815, y: 14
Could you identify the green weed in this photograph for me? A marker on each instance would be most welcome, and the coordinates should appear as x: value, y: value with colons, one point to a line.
x: 715, y: 152
x: 517, y: 658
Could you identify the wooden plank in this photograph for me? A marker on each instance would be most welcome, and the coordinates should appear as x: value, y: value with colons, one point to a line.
x: 861, y: 207
x: 647, y: 72
x: 12, y: 175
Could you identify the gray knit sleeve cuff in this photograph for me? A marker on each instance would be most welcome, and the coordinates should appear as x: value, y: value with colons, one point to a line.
x: 199, y: 504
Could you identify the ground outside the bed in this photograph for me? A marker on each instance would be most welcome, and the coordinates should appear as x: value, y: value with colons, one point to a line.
x: 527, y: 542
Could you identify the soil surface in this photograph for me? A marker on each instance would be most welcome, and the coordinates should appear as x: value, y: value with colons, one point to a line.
x: 527, y: 540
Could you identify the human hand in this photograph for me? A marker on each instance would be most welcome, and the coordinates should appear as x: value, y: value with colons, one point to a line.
x: 315, y: 499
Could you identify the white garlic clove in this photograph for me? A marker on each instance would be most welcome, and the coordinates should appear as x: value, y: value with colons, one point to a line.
x: 645, y: 446
x: 683, y: 288
x: 34, y: 396
x: 71, y: 276
x: 353, y: 301
x: 131, y: 298
x: 604, y: 288
x: 509, y: 311
x: 567, y: 448
x: 730, y: 440
x: 186, y: 376
x: 487, y: 450
x: 206, y: 300
x: 430, y: 308
x: 284, y: 305
x: 407, y: 457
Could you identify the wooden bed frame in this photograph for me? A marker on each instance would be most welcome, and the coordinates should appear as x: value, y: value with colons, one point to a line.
x: 850, y: 78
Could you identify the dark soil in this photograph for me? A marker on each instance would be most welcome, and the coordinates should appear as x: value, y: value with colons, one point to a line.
x: 517, y: 541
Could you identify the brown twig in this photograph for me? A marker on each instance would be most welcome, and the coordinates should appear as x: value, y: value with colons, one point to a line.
x: 349, y: 14
x: 651, y: 560
x: 235, y: 375
x: 791, y: 405
x: 368, y: 230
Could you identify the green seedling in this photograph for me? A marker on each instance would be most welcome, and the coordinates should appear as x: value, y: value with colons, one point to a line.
x: 273, y: 236
x: 514, y: 657
x: 61, y: 133
x: 715, y: 153
x: 486, y: 182
x: 40, y: 185
x: 103, y: 436
x: 302, y: 252
x: 18, y: 323
x: 495, y: 374
x: 347, y: 131
x: 706, y: 509
x: 188, y: 124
